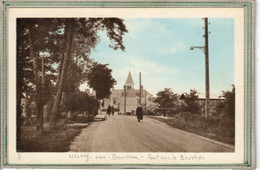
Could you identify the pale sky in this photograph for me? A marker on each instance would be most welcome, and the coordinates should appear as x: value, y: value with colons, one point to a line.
x: 160, y: 49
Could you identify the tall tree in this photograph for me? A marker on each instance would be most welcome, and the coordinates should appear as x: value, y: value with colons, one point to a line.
x: 37, y: 80
x: 101, y: 80
x: 65, y: 63
x: 166, y: 99
x: 62, y: 41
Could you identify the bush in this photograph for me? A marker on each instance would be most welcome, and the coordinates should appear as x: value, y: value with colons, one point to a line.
x: 82, y: 119
x: 80, y: 103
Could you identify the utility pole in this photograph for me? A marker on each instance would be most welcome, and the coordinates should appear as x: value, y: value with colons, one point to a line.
x: 125, y: 99
x: 207, y: 108
x: 205, y: 49
x: 140, y: 88
x: 145, y: 100
x: 40, y: 115
x: 43, y: 71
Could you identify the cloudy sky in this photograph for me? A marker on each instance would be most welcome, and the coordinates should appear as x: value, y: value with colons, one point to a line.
x: 160, y: 49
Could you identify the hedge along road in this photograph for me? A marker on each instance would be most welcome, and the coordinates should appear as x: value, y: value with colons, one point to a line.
x: 121, y: 133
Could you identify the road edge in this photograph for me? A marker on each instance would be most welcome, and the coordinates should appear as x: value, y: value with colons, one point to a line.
x: 197, y: 135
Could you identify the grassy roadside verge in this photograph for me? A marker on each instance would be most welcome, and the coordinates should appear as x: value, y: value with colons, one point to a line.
x: 57, y: 140
x: 213, y: 128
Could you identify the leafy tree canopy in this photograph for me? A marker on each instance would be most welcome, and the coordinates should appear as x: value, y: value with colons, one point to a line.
x: 229, y: 108
x: 191, y: 101
x: 101, y: 80
x: 49, y: 41
x: 166, y: 98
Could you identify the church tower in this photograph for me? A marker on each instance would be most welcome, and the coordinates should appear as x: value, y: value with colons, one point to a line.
x: 129, y: 82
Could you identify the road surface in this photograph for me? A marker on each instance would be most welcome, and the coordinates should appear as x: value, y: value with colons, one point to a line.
x: 121, y: 133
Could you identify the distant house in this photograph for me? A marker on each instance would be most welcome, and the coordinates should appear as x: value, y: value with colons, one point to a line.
x: 215, y: 99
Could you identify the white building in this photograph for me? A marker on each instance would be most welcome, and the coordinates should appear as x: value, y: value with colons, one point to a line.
x: 127, y: 98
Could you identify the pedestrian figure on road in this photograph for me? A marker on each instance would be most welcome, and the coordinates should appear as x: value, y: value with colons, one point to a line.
x: 139, y: 113
x: 112, y: 110
x: 109, y: 110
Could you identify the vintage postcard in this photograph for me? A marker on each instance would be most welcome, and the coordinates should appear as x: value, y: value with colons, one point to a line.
x: 128, y: 84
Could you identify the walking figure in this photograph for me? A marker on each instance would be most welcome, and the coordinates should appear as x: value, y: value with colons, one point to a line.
x: 112, y: 110
x: 139, y: 113
x: 109, y: 110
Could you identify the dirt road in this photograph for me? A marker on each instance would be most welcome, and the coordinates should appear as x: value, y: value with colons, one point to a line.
x: 125, y: 134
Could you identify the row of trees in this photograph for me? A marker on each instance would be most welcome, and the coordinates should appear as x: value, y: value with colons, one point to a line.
x: 53, y: 59
x: 188, y: 102
x: 172, y: 102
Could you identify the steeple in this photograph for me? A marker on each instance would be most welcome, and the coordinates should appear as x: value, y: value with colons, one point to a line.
x: 129, y: 81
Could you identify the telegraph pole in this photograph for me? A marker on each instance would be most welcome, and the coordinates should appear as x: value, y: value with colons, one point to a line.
x: 43, y: 71
x: 125, y: 99
x: 207, y: 108
x: 40, y: 115
x: 205, y: 49
x: 145, y: 100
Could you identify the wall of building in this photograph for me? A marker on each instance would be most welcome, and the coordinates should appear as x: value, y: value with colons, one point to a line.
x: 131, y: 104
x: 117, y: 98
x: 114, y: 99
